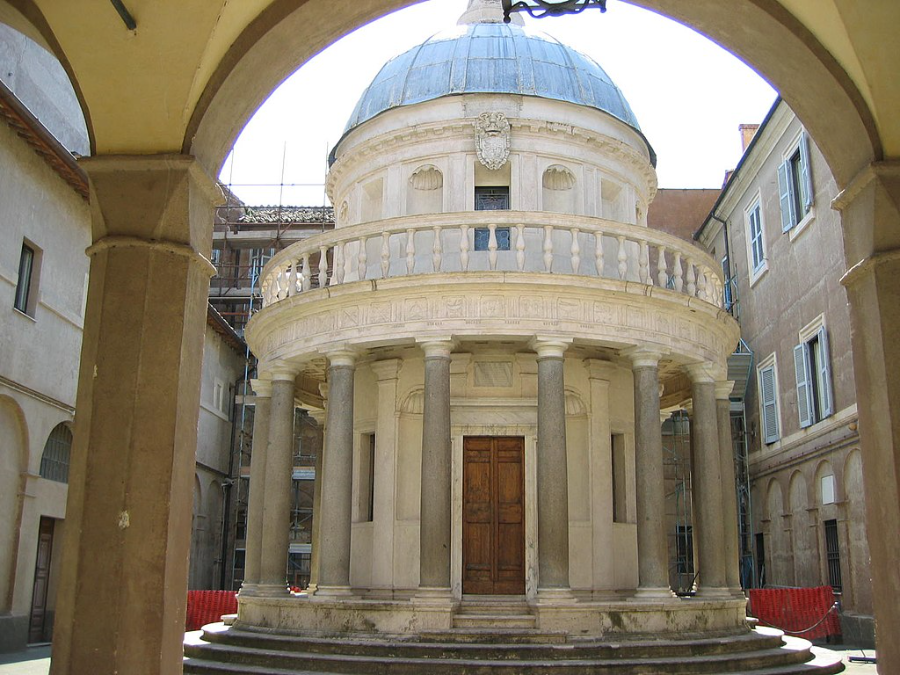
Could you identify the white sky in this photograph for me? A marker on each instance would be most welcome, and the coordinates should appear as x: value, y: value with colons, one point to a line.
x: 688, y: 94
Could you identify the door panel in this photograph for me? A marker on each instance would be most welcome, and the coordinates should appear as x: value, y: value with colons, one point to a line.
x: 41, y: 581
x: 493, y: 515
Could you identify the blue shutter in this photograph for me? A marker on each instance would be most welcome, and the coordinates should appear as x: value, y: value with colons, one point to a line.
x: 769, y: 404
x: 825, y: 399
x: 785, y: 188
x: 804, y: 390
x: 806, y: 172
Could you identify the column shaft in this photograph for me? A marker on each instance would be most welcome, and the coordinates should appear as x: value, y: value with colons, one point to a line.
x: 731, y: 547
x: 707, y: 489
x: 434, y: 541
x: 256, y: 505
x: 552, y: 471
x: 337, y: 478
x: 121, y: 600
x: 650, y: 492
x: 277, y: 492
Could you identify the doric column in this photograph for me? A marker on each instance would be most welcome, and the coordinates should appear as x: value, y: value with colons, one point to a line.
x: 731, y: 546
x: 434, y: 533
x: 706, y: 484
x: 319, y: 417
x: 337, y: 477
x: 262, y: 407
x: 650, y: 490
x: 552, y: 470
x: 386, y: 373
x: 871, y: 221
x: 128, y: 517
x: 277, y: 493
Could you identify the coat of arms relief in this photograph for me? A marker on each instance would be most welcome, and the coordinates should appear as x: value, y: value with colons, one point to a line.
x: 492, y: 139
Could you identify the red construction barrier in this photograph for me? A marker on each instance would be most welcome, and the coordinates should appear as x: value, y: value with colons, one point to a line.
x: 805, y: 612
x: 205, y: 607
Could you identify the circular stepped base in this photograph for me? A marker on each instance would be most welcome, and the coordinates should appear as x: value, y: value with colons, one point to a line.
x: 221, y: 650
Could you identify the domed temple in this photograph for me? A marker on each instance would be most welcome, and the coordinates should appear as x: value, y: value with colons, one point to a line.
x: 491, y: 336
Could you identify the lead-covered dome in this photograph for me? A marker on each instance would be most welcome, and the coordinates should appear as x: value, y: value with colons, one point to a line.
x: 494, y: 58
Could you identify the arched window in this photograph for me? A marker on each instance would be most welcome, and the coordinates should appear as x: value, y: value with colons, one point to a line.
x: 55, y: 460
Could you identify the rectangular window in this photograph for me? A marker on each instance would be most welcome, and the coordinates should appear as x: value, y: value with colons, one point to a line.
x: 483, y: 238
x: 26, y: 285
x: 768, y: 394
x: 813, y: 373
x: 492, y: 198
x: 795, y: 190
x: 757, y: 250
x: 833, y: 555
x: 619, y: 504
x: 367, y: 478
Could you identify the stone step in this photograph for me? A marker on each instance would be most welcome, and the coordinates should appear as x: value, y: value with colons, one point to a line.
x: 494, y: 621
x: 210, y: 659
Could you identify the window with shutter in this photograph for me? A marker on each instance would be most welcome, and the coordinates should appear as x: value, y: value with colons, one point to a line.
x: 769, y: 398
x: 812, y: 366
x: 804, y: 392
x: 795, y: 188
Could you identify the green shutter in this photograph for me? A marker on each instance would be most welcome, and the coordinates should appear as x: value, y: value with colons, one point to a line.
x: 825, y: 398
x: 804, y: 388
x: 785, y: 189
x: 806, y: 172
x: 769, y: 404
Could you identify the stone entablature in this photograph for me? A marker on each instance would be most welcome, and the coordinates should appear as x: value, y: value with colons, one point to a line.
x: 541, y: 243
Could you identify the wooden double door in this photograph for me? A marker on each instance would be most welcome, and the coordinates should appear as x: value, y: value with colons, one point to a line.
x: 493, y: 515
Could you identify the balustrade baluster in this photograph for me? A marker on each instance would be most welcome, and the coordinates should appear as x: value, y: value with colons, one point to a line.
x: 492, y: 246
x: 677, y: 272
x: 361, y: 259
x: 292, y: 278
x: 622, y: 257
x: 520, y: 247
x: 437, y: 251
x: 337, y: 273
x: 305, y: 274
x: 385, y: 254
x: 644, y: 264
x: 576, y: 251
x: 701, y: 283
x: 548, y: 248
x: 598, y: 252
x: 691, y: 278
x: 464, y: 247
x: 410, y: 251
x: 323, y: 266
x: 661, y: 276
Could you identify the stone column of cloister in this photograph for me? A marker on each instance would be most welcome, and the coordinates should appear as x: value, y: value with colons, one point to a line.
x: 436, y: 500
x: 277, y: 487
x: 333, y: 536
x: 653, y: 562
x: 129, y: 507
x: 706, y: 483
x: 730, y: 545
x: 262, y: 390
x: 552, y: 479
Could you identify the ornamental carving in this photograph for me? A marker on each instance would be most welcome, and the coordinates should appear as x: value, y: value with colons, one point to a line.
x: 492, y: 139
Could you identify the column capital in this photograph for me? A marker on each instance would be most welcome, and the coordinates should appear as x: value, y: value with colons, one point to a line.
x: 437, y: 347
x: 283, y: 373
x: 643, y: 357
x: 387, y: 369
x: 701, y: 373
x: 262, y: 388
x: 549, y: 347
x: 724, y: 389
x: 342, y: 357
x: 598, y: 369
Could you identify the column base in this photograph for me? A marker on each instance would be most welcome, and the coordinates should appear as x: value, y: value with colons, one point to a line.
x: 652, y: 594
x: 332, y: 592
x: 554, y: 596
x: 433, y: 595
x: 271, y: 591
x: 737, y: 592
x: 247, y: 590
x: 713, y: 593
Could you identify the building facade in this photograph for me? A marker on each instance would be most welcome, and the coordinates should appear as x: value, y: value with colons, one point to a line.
x: 782, y: 244
x: 491, y: 335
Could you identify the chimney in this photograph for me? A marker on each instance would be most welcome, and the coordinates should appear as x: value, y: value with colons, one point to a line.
x: 748, y: 131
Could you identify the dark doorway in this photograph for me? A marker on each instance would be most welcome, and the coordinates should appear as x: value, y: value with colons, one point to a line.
x: 38, y: 628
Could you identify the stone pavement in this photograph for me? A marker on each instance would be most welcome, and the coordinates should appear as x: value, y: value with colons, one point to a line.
x: 36, y: 660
